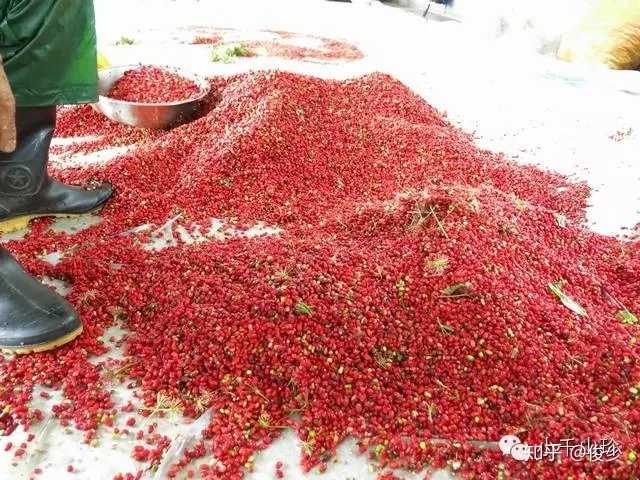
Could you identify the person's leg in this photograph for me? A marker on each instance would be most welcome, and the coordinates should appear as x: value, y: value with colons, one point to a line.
x: 26, y: 190
x: 33, y: 318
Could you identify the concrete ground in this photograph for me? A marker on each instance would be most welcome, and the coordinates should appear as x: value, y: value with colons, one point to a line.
x: 578, y: 121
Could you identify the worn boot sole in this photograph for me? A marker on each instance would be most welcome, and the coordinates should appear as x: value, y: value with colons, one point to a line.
x: 18, y: 223
x: 43, y: 347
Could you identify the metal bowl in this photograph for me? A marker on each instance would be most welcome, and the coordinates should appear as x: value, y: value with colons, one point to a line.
x: 147, y: 115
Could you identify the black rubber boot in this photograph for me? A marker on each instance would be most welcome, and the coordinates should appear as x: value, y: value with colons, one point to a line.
x: 33, y: 318
x: 26, y: 190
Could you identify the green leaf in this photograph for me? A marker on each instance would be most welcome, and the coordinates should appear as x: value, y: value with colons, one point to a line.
x: 226, y: 53
x: 627, y: 317
x: 438, y: 265
x: 378, y: 449
x: 567, y: 301
x: 124, y: 40
x: 302, y: 308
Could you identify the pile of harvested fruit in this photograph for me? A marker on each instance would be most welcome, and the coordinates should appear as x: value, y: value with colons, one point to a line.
x: 417, y: 288
x: 329, y: 50
x: 149, y: 84
x: 284, y: 45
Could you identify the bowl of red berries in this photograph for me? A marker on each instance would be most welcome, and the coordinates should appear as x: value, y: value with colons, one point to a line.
x: 149, y: 96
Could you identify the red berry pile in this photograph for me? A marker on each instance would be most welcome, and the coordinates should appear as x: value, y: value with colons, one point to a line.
x: 409, y: 296
x: 149, y: 84
x: 214, y: 39
x: 103, y: 133
x: 329, y: 50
